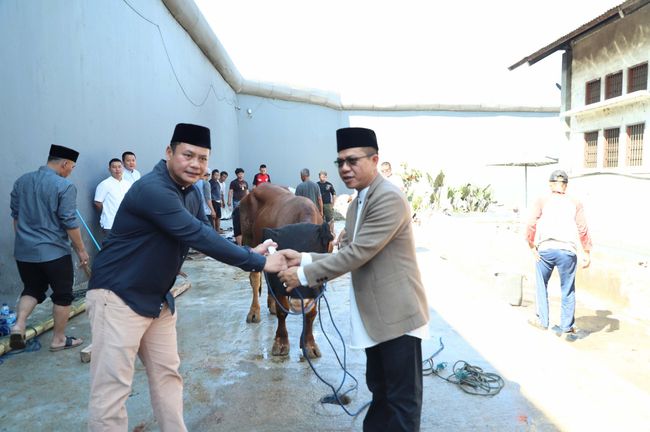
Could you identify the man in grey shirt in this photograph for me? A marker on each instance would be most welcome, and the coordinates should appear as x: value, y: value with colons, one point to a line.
x: 43, y: 207
x: 310, y: 190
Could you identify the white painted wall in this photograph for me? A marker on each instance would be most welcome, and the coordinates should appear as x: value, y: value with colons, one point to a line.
x: 615, y: 47
x: 613, y: 196
x: 289, y: 136
x: 98, y: 77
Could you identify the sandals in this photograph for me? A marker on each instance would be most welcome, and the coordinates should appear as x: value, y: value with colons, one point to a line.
x: 70, y: 342
x: 17, y: 340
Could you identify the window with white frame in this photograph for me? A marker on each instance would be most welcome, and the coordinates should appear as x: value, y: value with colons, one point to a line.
x: 637, y: 78
x: 635, y: 144
x: 591, y: 149
x: 592, y: 92
x: 611, y: 147
x: 614, y: 85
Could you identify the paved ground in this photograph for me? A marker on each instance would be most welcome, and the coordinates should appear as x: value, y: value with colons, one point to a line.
x: 232, y: 383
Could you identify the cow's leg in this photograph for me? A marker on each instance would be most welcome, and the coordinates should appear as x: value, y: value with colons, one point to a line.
x: 311, y: 349
x: 281, y: 343
x: 256, y: 285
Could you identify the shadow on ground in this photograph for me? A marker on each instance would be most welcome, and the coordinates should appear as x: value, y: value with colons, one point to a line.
x: 233, y: 383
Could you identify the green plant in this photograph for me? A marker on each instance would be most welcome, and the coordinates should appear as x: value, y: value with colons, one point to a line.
x: 468, y: 198
x: 436, y: 188
x: 411, y: 178
x: 423, y: 192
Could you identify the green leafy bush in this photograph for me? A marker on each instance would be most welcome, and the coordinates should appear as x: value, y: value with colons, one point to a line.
x: 423, y: 192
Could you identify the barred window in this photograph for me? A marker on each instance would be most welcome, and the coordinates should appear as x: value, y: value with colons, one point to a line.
x: 591, y: 149
x: 635, y: 144
x: 611, y: 147
x: 592, y: 94
x: 637, y: 78
x: 614, y: 85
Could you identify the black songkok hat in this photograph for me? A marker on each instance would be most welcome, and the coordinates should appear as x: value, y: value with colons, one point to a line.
x: 192, y: 134
x: 355, y: 137
x: 559, y: 176
x: 61, y: 152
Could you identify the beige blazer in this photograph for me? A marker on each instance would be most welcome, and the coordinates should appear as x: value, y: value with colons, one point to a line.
x: 381, y: 257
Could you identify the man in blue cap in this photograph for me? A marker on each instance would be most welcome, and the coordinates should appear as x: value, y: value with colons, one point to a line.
x: 556, y: 221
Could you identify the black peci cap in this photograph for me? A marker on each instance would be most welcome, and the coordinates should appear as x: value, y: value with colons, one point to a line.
x: 355, y: 137
x: 192, y: 134
x: 61, y: 152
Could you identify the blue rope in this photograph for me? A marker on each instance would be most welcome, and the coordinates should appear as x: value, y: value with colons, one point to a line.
x: 336, y: 396
x: 88, y: 230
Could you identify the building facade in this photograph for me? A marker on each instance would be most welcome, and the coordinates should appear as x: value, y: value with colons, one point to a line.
x: 606, y: 113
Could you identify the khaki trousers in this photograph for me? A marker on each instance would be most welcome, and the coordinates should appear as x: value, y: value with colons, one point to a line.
x: 118, y: 334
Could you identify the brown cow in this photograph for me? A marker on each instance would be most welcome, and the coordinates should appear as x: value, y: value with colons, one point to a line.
x: 272, y: 206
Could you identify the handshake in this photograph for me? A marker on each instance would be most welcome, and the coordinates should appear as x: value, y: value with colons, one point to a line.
x: 285, y: 262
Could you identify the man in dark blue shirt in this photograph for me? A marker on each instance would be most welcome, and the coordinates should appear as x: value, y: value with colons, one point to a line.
x: 130, y: 307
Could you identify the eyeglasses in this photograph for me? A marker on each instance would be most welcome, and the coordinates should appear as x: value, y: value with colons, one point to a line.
x: 351, y: 160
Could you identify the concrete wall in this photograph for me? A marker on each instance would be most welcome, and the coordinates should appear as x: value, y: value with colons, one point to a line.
x: 100, y: 77
x: 288, y: 136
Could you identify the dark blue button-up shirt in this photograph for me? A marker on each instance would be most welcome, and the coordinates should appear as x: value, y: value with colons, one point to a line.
x: 44, y: 204
x: 157, y: 222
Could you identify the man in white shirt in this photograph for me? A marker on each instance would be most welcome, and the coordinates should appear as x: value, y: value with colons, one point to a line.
x: 224, y: 194
x: 110, y: 193
x: 387, y: 172
x: 130, y: 173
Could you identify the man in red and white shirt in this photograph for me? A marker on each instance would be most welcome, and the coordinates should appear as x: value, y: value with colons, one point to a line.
x: 556, y: 223
x: 261, y: 177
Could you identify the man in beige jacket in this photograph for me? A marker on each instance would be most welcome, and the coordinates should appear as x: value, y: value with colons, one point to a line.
x: 388, y: 307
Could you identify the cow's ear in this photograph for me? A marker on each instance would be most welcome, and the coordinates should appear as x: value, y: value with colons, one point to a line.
x: 325, y: 234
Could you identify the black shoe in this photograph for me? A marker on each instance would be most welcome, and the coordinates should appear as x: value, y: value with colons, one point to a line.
x: 571, y: 335
x: 574, y: 334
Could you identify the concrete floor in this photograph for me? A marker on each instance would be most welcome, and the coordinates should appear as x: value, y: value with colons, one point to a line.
x: 232, y: 383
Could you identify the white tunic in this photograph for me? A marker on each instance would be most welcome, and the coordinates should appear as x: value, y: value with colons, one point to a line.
x: 110, y: 192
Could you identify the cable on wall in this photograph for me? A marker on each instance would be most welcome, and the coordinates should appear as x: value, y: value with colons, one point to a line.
x: 171, y: 65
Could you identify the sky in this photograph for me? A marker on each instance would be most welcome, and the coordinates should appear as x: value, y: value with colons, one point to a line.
x: 412, y: 51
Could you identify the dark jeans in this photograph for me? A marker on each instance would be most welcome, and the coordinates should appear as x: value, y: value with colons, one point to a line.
x: 394, y: 376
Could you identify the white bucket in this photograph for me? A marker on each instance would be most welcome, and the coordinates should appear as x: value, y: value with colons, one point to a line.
x: 509, y: 286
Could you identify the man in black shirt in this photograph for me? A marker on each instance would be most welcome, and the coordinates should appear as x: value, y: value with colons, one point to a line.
x: 238, y: 189
x: 328, y: 194
x: 130, y: 307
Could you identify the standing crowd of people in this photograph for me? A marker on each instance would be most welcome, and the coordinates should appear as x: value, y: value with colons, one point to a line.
x: 150, y: 223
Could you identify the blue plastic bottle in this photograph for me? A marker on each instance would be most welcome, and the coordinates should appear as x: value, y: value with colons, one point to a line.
x: 5, y: 327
